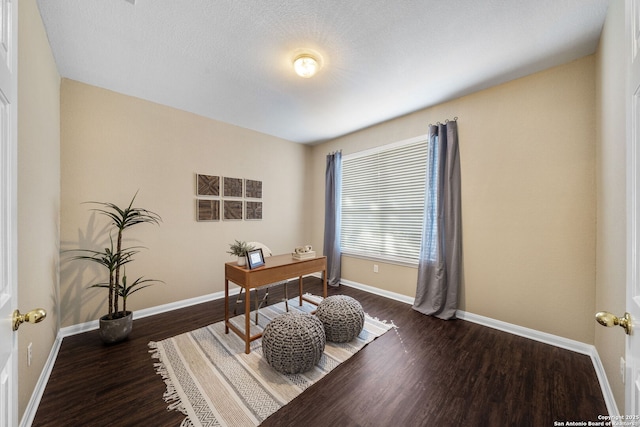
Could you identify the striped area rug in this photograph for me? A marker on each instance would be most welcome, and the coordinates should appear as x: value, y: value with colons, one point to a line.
x: 213, y: 382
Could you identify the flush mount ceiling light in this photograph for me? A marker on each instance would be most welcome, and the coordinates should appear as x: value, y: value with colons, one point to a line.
x: 306, y: 64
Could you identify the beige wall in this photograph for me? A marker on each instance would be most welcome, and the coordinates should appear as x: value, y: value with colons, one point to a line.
x: 528, y: 177
x: 38, y: 194
x: 611, y: 193
x: 114, y: 145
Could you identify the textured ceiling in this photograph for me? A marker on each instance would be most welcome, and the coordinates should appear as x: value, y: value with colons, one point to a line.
x: 230, y: 60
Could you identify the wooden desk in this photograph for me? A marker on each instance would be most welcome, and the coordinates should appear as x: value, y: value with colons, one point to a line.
x: 276, y: 268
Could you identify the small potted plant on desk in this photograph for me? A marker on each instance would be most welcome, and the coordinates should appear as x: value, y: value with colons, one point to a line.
x: 116, y: 325
x: 240, y: 250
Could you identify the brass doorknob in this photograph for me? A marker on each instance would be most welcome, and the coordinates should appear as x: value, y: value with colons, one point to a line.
x: 34, y: 316
x: 607, y: 319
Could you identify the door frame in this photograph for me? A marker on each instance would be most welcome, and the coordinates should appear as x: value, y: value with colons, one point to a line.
x: 632, y: 105
x: 9, y: 206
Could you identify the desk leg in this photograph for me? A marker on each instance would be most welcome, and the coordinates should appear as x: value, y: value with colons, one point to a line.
x: 300, y: 289
x: 226, y: 306
x: 247, y: 320
x: 324, y: 283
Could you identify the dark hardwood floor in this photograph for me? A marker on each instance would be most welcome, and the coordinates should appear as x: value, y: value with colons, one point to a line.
x: 427, y: 372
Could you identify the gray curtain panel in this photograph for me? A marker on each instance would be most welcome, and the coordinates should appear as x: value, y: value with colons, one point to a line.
x: 439, y: 269
x: 332, y: 214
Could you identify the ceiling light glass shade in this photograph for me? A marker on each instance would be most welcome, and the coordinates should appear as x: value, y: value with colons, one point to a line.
x: 305, y: 66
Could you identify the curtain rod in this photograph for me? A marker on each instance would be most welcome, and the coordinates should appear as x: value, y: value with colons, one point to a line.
x: 334, y: 152
x: 455, y: 119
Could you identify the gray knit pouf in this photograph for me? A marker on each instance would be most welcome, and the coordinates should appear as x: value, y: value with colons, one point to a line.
x: 342, y: 317
x: 293, y: 342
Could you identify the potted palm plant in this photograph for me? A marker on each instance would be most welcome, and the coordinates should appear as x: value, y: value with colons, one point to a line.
x: 116, y: 325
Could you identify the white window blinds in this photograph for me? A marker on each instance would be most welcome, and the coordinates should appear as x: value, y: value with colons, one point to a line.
x: 383, y: 201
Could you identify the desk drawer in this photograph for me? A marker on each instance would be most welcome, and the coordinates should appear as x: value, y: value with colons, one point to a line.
x: 264, y: 276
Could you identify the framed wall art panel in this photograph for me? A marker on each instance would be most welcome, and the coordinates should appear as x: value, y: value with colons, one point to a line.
x: 208, y: 185
x: 232, y: 210
x: 207, y: 210
x: 232, y: 187
x: 253, y: 189
x: 253, y: 210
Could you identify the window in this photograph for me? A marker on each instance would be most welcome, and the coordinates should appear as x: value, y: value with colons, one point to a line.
x: 383, y: 193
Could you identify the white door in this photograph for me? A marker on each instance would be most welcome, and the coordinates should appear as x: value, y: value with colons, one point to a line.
x: 632, y: 47
x: 8, y: 209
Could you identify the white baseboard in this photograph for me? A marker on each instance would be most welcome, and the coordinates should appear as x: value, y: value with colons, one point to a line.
x: 609, y: 399
x: 557, y: 341
x: 146, y: 312
x: 533, y: 334
x: 378, y: 291
x: 38, y: 391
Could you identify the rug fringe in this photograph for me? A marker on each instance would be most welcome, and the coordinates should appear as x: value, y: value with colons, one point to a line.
x: 384, y: 321
x: 171, y: 395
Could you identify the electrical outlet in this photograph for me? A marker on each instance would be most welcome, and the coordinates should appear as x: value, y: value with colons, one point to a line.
x: 622, y: 368
x: 29, y: 347
x: 375, y: 268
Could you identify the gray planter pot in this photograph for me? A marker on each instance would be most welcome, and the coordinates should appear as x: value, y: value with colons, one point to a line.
x: 115, y: 330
